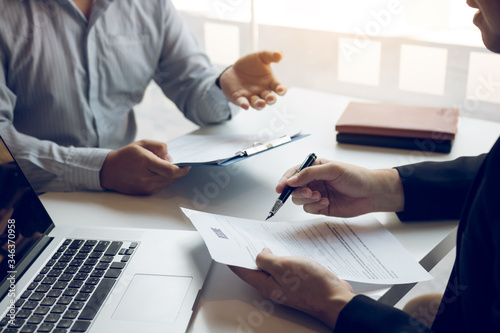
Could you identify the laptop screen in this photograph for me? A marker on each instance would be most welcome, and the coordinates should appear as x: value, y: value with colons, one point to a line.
x: 23, y: 219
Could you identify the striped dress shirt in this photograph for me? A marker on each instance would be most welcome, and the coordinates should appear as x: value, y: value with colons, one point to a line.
x: 68, y: 85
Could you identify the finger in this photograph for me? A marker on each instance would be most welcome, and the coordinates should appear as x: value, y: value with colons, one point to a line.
x: 156, y: 147
x: 252, y: 277
x: 257, y: 103
x: 306, y: 197
x: 303, y: 202
x: 268, y: 57
x: 283, y: 182
x: 243, y: 102
x: 280, y: 88
x: 181, y: 172
x: 304, y: 193
x: 347, y: 285
x: 269, y: 263
x: 262, y: 281
x: 315, y: 208
x: 277, y: 56
x: 312, y: 173
x: 166, y: 169
x: 268, y: 96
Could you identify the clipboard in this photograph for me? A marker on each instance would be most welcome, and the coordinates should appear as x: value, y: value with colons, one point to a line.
x: 222, y: 150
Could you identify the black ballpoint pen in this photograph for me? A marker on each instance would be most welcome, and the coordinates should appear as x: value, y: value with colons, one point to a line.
x: 288, y: 189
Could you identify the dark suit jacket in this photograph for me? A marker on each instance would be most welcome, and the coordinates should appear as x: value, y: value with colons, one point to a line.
x: 468, y: 188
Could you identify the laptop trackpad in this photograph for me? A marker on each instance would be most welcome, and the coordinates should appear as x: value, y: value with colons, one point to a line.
x: 153, y: 298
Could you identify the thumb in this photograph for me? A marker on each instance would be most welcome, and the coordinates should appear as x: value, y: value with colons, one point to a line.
x: 268, y: 57
x: 156, y: 147
x: 266, y: 261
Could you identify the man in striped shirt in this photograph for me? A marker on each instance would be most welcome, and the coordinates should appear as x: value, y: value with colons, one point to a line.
x: 71, y: 72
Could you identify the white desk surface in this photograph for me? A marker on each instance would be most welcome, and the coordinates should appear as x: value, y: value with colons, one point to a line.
x: 246, y: 190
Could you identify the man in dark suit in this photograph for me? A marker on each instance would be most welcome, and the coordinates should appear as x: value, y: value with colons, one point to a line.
x: 467, y: 188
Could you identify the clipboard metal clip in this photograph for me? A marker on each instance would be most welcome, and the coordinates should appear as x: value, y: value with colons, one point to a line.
x: 260, y: 146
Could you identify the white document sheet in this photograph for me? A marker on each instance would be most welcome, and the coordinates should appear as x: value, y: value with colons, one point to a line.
x: 358, y: 249
x: 192, y: 148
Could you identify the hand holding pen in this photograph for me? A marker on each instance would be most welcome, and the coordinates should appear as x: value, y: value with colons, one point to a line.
x: 288, y: 189
x: 339, y: 189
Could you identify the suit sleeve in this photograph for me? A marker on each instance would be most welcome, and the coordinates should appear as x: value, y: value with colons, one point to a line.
x: 363, y: 314
x: 437, y: 190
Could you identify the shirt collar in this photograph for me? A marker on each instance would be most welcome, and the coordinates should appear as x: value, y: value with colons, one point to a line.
x: 100, y: 6
x: 98, y: 9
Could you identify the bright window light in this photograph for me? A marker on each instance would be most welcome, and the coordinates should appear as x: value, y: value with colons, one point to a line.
x: 447, y: 21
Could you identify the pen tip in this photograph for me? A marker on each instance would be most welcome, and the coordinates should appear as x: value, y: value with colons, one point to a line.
x: 269, y: 216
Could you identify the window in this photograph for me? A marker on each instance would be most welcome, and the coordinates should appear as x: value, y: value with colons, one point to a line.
x: 404, y: 51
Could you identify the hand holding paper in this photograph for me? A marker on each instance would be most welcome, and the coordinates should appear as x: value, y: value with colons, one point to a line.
x: 299, y: 283
x: 358, y: 249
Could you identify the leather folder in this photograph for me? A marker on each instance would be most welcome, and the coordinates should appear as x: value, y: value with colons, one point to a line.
x: 398, y: 126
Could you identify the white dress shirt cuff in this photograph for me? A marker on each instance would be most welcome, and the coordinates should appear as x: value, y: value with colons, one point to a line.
x: 217, y: 107
x: 84, y: 167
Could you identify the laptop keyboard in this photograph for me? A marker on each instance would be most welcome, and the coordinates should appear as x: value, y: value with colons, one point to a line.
x: 69, y: 290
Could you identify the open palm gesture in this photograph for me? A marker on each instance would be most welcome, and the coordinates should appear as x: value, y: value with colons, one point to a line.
x: 251, y: 81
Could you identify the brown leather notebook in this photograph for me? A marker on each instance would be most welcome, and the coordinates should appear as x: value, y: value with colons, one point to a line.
x: 399, y: 121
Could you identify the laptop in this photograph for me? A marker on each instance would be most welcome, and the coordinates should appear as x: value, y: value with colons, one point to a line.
x: 81, y: 279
